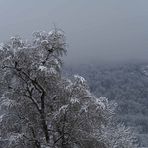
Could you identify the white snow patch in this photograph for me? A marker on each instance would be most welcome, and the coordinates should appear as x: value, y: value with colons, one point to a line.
x: 52, y: 70
x: 70, y: 84
x: 80, y: 78
x: 1, y: 46
x: 44, y: 42
x: 42, y: 68
x: 74, y: 100
x: 63, y: 108
x: 84, y: 108
x: 51, y: 32
x: 56, y: 61
x: 1, y: 118
x: 100, y: 103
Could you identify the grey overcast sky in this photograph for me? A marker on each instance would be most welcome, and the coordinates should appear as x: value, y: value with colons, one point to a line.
x: 95, y: 29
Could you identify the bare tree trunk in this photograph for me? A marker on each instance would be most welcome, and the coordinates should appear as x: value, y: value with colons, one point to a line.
x: 45, y: 128
x: 43, y: 118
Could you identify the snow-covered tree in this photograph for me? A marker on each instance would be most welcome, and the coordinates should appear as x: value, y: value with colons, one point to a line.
x: 42, y: 109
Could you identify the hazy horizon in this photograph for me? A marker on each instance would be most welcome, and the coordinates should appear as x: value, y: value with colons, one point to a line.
x: 95, y: 30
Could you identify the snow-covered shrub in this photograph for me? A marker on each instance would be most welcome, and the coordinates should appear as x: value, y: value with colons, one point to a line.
x: 44, y: 109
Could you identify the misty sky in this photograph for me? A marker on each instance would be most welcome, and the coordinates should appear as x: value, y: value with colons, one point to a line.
x: 95, y: 29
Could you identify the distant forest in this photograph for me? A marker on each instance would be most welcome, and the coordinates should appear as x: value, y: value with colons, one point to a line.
x: 127, y: 84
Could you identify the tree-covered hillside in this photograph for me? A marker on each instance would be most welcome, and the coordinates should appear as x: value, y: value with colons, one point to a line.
x: 125, y: 83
